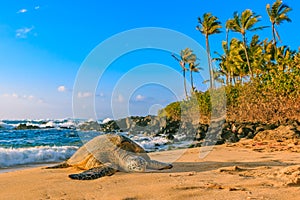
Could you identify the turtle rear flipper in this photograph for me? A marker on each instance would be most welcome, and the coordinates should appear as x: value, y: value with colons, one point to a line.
x: 94, y: 173
x: 61, y: 165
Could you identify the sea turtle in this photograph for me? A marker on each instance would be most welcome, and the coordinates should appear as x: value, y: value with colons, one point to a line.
x: 106, y: 154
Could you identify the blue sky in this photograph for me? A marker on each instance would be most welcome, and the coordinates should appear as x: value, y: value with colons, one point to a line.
x: 43, y: 44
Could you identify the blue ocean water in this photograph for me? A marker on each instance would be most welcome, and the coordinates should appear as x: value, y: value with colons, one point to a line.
x: 55, y: 141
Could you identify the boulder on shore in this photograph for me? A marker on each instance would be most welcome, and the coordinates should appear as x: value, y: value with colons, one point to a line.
x: 282, y: 133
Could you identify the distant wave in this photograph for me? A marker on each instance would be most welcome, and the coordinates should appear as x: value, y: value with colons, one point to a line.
x: 6, y: 126
x: 65, y: 123
x: 34, y: 155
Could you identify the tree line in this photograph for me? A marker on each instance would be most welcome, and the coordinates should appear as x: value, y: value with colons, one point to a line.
x: 259, y: 75
x: 242, y: 59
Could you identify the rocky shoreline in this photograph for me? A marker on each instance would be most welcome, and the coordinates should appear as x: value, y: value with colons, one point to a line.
x: 218, y: 132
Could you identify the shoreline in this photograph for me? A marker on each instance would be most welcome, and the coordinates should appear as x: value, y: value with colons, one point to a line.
x: 24, y: 167
x: 227, y: 172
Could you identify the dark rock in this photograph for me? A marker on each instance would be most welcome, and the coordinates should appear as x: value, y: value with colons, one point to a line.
x: 195, y: 144
x: 90, y: 126
x: 243, y: 132
x: 124, y: 124
x: 259, y: 128
x: 220, y: 141
x: 250, y: 136
x: 226, y: 134
x: 26, y: 127
x: 198, y: 137
x: 170, y: 137
x: 271, y: 126
x: 233, y: 139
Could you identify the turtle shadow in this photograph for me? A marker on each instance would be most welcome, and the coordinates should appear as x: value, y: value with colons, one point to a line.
x: 179, y: 167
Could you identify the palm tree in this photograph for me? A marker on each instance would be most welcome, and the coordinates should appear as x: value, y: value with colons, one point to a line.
x: 224, y: 61
x: 186, y: 57
x: 277, y: 14
x: 193, y: 68
x: 231, y: 61
x: 284, y: 58
x: 243, y: 23
x: 208, y: 26
x: 258, y: 57
x: 237, y: 56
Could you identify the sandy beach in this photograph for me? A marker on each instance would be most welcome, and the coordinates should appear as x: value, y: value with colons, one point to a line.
x: 240, y: 171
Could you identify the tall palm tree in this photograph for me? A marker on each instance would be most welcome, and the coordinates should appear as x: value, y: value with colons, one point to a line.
x: 186, y: 57
x: 277, y: 14
x: 243, y: 23
x: 209, y: 25
x: 227, y: 32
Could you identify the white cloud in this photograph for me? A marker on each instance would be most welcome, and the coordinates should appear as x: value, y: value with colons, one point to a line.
x: 23, y: 32
x: 36, y: 7
x: 23, y: 10
x: 140, y: 97
x: 84, y: 94
x: 62, y: 88
x: 21, y: 97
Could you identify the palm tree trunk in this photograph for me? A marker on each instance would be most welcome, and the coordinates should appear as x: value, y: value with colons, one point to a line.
x: 192, y: 80
x: 227, y: 34
x: 273, y: 33
x: 184, y: 82
x: 211, y: 73
x: 227, y: 79
x: 247, y: 56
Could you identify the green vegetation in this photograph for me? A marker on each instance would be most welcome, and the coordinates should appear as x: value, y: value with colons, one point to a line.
x: 261, y: 80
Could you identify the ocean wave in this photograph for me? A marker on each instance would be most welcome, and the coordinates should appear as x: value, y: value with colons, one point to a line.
x: 43, y: 124
x: 5, y: 125
x: 150, y: 143
x: 34, y: 155
x: 106, y: 120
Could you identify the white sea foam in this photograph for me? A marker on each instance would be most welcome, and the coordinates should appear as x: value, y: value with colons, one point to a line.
x: 150, y: 143
x: 34, y: 155
x: 67, y: 124
x: 5, y: 125
x: 48, y: 124
x: 106, y: 120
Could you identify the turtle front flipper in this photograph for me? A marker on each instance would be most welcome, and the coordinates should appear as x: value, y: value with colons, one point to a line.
x: 153, y: 164
x: 94, y: 173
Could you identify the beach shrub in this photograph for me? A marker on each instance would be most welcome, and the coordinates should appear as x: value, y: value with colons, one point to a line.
x: 271, y: 97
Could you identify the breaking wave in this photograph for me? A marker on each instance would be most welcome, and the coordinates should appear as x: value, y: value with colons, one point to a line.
x: 34, y: 155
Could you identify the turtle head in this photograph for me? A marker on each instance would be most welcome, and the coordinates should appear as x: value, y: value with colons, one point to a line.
x: 136, y: 164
